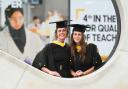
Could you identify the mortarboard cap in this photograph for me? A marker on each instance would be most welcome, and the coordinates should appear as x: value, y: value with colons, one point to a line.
x: 79, y: 27
x: 60, y: 24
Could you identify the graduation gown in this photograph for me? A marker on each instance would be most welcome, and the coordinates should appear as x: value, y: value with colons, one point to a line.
x: 92, y: 58
x: 55, y: 58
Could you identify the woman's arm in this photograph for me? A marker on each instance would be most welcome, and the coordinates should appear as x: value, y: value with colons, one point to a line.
x: 54, y: 73
x: 81, y: 73
x: 90, y: 70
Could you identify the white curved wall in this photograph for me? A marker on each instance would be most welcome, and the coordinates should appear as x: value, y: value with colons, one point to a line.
x: 113, y: 75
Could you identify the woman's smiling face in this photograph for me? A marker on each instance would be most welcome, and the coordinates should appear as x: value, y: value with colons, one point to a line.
x: 77, y: 36
x: 61, y: 34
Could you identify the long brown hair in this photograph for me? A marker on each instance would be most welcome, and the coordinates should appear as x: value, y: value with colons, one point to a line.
x: 82, y: 44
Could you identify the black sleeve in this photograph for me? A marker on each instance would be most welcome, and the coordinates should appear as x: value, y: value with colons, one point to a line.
x: 72, y: 64
x: 41, y: 59
x: 71, y: 58
x: 92, y: 53
x: 97, y: 61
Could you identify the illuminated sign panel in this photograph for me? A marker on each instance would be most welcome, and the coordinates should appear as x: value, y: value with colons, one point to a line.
x: 102, y: 18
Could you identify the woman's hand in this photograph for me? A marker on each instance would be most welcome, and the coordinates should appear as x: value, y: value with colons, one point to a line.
x: 79, y: 73
x: 54, y: 73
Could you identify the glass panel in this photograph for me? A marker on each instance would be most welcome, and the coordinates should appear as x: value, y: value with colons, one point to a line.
x: 101, y: 15
x: 104, y: 20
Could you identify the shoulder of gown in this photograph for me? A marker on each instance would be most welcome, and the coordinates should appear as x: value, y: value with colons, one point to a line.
x: 40, y: 59
x: 92, y: 51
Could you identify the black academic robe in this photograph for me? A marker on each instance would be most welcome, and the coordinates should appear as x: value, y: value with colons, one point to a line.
x: 93, y: 54
x: 79, y: 64
x: 92, y: 58
x: 55, y: 58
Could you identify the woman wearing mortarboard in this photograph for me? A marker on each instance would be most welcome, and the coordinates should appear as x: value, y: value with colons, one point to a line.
x: 85, y: 57
x: 17, y: 41
x: 54, y: 59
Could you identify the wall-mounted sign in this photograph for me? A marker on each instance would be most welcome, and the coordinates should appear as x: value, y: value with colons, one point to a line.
x: 102, y: 18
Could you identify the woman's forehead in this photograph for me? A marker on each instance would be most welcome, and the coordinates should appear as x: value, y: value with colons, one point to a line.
x: 16, y: 13
x: 77, y: 32
x: 61, y: 29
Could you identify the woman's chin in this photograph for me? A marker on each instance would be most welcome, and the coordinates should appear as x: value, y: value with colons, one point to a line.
x: 17, y: 28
